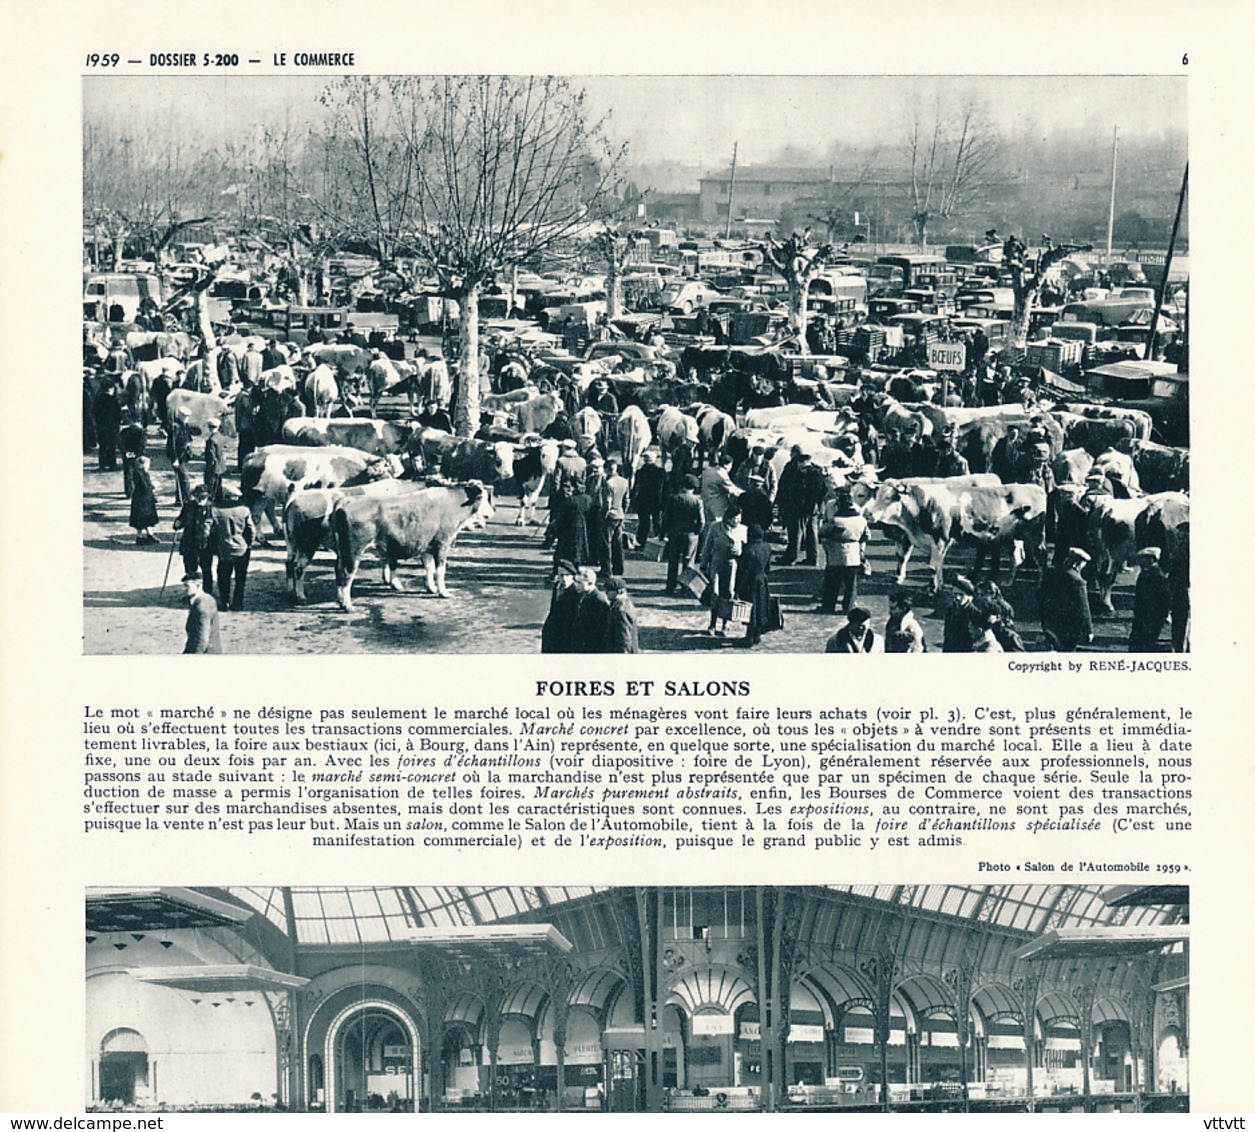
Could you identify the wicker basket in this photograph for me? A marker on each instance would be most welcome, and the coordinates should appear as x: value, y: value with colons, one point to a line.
x: 738, y: 612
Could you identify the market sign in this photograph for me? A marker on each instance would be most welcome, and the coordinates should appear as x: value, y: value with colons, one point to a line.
x: 949, y: 357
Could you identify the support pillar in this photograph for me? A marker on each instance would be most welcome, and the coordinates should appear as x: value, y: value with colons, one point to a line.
x: 1083, y: 995
x: 1026, y: 986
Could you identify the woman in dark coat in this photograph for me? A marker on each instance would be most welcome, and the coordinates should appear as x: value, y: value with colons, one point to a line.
x: 143, y: 503
x: 107, y: 410
x: 570, y: 526
x: 752, y: 584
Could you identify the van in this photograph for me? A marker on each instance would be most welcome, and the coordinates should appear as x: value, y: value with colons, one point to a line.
x: 118, y: 294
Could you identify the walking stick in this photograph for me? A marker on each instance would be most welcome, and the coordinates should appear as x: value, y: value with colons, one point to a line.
x: 169, y: 559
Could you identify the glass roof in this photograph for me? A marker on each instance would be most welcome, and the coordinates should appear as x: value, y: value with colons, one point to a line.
x: 1030, y: 908
x: 323, y: 914
x: 377, y: 914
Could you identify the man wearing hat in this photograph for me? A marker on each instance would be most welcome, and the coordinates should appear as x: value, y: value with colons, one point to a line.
x: 959, y: 634
x: 802, y: 488
x: 647, y: 490
x: 555, y: 633
x: 591, y: 615
x: 1063, y: 600
x: 234, y: 534
x: 843, y: 534
x: 1152, y: 602
x: 681, y: 526
x: 215, y: 459
x: 568, y: 481
x: 202, y: 618
x: 855, y: 635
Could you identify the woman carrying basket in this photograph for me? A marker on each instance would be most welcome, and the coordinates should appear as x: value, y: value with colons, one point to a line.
x: 722, y: 543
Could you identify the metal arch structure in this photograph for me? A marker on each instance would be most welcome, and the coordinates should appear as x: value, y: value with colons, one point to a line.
x: 915, y: 949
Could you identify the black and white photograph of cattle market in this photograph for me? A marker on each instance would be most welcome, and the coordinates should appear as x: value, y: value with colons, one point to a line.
x: 511, y: 364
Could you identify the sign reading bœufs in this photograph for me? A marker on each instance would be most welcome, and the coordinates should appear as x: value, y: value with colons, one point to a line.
x: 949, y: 356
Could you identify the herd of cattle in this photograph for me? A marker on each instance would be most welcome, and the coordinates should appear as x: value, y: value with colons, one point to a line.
x: 349, y: 483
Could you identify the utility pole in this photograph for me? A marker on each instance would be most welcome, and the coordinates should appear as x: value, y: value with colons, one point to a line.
x: 1167, y: 268
x: 1111, y: 208
x: 727, y: 228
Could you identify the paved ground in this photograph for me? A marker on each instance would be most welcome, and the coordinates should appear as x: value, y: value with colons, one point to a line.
x: 497, y: 584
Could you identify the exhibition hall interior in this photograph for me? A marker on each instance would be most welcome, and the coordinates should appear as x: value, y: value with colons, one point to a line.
x: 863, y: 998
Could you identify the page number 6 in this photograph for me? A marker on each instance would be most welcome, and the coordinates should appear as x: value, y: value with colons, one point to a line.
x: 1185, y: 59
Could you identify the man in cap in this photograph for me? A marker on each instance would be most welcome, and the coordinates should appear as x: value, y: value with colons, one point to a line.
x: 251, y: 365
x: 855, y: 635
x: 1063, y: 599
x: 681, y: 526
x: 801, y: 490
x: 843, y: 534
x: 568, y: 481
x: 903, y: 633
x: 555, y: 633
x: 614, y: 496
x: 215, y: 459
x: 950, y: 461
x: 234, y: 534
x: 592, y: 610
x: 202, y: 618
x: 647, y: 487
x: 1152, y: 602
x: 959, y: 634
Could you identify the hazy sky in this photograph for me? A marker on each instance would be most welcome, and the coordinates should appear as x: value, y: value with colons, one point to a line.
x: 696, y: 119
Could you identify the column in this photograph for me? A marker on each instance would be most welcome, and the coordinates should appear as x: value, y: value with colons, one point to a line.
x: 960, y: 979
x: 1026, y: 986
x: 648, y: 923
x: 1083, y: 995
x: 434, y: 1002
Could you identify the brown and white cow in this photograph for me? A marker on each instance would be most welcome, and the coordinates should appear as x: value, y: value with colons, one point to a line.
x: 307, y: 525
x: 321, y: 391
x: 715, y: 428
x: 537, y: 413
x: 1119, y: 528
x: 345, y: 359
x: 943, y: 512
x: 193, y: 411
x: 534, y: 463
x: 675, y: 429
x: 423, y: 524
x: 378, y: 437
x: 1161, y: 467
x: 585, y: 429
x: 271, y: 475
x: 634, y: 436
x: 458, y: 458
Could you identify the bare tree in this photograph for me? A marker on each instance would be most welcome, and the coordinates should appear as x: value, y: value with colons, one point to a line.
x: 841, y: 202
x: 953, y: 154
x: 798, y: 261
x: 500, y: 170
x: 1028, y: 274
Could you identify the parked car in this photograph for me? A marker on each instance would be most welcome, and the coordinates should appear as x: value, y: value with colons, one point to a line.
x: 688, y: 295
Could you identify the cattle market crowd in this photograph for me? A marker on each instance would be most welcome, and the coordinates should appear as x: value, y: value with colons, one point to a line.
x: 664, y: 475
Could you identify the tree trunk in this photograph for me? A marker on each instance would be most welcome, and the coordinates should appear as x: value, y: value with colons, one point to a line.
x: 466, y: 405
x: 1017, y: 333
x: 798, y: 291
x: 203, y: 320
x: 921, y: 232
x: 614, y: 288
